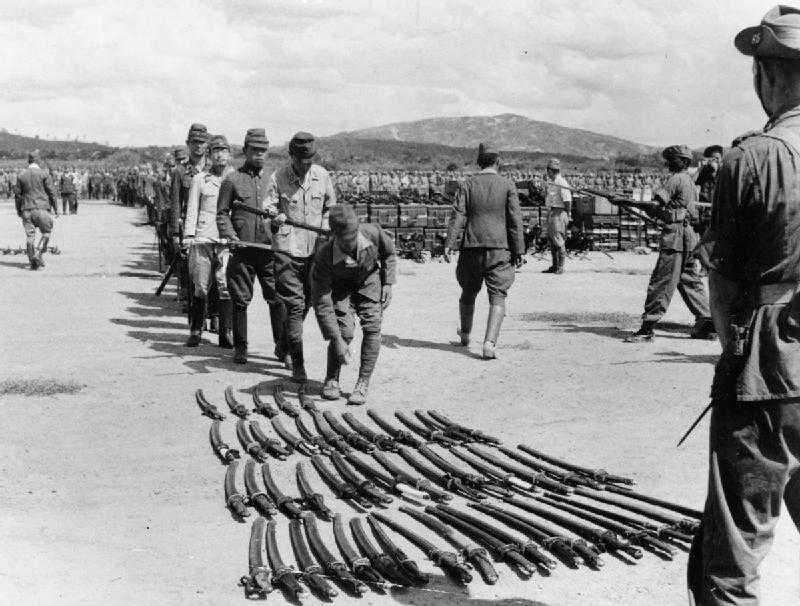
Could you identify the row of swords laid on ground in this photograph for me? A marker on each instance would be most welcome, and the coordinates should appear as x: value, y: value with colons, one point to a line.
x: 21, y: 250
x: 548, y: 483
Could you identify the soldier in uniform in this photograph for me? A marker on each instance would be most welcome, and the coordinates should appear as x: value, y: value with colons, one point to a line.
x: 558, y: 202
x: 36, y: 204
x: 353, y: 275
x: 208, y: 257
x: 754, y: 278
x: 676, y: 266
x: 69, y: 201
x: 487, y: 213
x: 301, y: 191
x: 707, y: 175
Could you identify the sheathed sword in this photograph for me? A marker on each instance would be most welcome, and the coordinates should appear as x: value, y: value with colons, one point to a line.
x: 358, y: 564
x: 381, y: 440
x: 311, y: 571
x: 416, y: 482
x: 307, y: 403
x: 263, y: 407
x: 283, y: 577
x: 257, y: 583
x: 382, y: 562
x: 312, y: 500
x: 470, y: 479
x: 364, y: 485
x: 675, y: 507
x: 445, y: 480
x: 249, y: 444
x: 419, y: 429
x: 297, y: 443
x: 272, y: 445
x: 284, y: 503
x: 570, y: 478
x: 225, y: 453
x: 600, y: 475
x: 351, y: 437
x: 343, y: 490
x: 471, y: 552
x: 450, y: 432
x: 237, y: 408
x: 499, y: 476
x: 206, y: 407
x: 476, y: 434
x: 535, y: 478
x: 326, y: 431
x: 450, y: 562
x: 267, y: 215
x: 392, y: 483
x: 234, y: 499
x: 333, y: 567
x: 283, y: 404
x: 255, y: 496
x: 312, y: 438
x: 399, y: 435
x: 406, y: 565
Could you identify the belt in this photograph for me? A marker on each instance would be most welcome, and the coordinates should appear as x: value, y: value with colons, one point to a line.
x: 779, y: 293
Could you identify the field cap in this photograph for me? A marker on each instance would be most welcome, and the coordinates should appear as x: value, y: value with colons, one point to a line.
x: 256, y: 137
x: 302, y: 145
x: 778, y: 35
x: 677, y: 151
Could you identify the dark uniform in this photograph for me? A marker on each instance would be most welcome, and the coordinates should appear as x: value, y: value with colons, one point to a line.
x: 35, y: 200
x: 489, y: 222
x: 754, y: 277
x: 69, y: 198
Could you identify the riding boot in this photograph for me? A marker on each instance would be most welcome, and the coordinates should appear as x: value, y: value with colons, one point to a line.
x: 240, y: 334
x: 33, y: 258
x: 277, y: 319
x: 196, y: 321
x: 554, y: 262
x: 224, y: 333
x: 493, y: 324
x: 560, y: 254
x: 298, y: 362
x: 330, y: 389
x: 465, y: 312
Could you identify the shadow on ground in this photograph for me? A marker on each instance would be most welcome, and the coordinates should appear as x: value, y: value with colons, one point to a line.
x: 395, y: 342
x: 442, y: 591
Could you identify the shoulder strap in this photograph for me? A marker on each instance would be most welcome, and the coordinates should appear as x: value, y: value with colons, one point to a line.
x: 790, y: 137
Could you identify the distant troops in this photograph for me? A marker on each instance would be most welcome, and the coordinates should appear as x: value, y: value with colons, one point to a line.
x: 676, y: 266
x: 69, y: 197
x: 489, y: 223
x: 558, y: 203
x: 35, y: 203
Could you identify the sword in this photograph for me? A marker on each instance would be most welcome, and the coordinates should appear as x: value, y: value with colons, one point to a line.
x: 283, y: 577
x: 225, y: 453
x: 257, y: 583
x: 361, y: 567
x: 206, y: 408
x: 255, y: 496
x: 240, y: 410
x: 233, y: 498
x: 311, y: 571
x: 262, y: 407
x: 267, y: 215
x: 332, y: 566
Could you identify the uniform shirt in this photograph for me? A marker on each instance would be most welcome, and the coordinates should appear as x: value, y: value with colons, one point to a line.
x: 337, y: 274
x: 201, y: 206
x: 306, y: 202
x: 487, y: 212
x: 179, y: 191
x: 753, y: 241
x: 247, y: 185
x: 679, y: 196
x: 706, y: 180
x: 67, y: 186
x: 34, y: 189
x: 555, y: 196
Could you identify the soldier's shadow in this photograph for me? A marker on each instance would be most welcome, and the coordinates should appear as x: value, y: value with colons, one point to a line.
x: 442, y: 591
x: 395, y: 342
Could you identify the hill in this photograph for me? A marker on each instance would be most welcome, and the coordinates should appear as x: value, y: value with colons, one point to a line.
x: 509, y: 132
x: 18, y: 146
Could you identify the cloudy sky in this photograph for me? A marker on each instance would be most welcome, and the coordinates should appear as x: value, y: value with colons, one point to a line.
x: 138, y: 72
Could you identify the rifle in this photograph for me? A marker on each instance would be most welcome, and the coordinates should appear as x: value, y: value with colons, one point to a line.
x: 632, y: 207
x: 267, y: 215
x: 176, y: 258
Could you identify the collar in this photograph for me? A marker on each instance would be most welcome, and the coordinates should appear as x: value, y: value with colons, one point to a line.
x: 362, y: 243
x: 489, y: 170
x: 252, y: 170
x: 33, y: 165
x: 295, y: 178
x: 788, y: 113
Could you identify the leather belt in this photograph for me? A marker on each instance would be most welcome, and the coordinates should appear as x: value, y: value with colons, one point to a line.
x: 779, y: 293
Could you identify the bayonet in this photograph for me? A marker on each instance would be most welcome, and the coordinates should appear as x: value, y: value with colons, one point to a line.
x: 255, y: 496
x: 206, y: 407
x: 286, y: 504
x: 272, y: 445
x: 283, y: 404
x: 234, y: 500
x: 342, y: 489
x: 535, y: 478
x: 225, y: 453
x: 249, y: 444
x: 283, y: 577
x: 401, y: 436
x: 312, y: 500
x: 381, y: 440
x: 381, y: 562
x: 409, y: 567
x: 333, y: 567
x: 264, y: 408
x: 392, y: 483
x: 295, y: 442
x: 416, y: 482
x: 237, y: 408
x: 311, y: 571
x: 360, y: 565
x: 476, y: 434
x: 312, y: 438
x: 430, y: 436
x: 351, y: 437
x: 257, y: 583
x: 599, y: 475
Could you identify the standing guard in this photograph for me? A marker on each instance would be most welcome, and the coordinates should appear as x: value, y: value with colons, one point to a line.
x: 36, y: 204
x: 558, y: 202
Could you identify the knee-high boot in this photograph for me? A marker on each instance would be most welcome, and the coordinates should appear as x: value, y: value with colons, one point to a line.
x: 196, y: 321
x: 224, y: 331
x: 240, y: 334
x: 496, y: 314
x: 465, y: 312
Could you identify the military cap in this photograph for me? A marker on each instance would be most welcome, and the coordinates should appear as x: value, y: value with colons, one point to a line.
x: 256, y: 137
x: 711, y: 150
x: 197, y: 132
x: 180, y: 154
x: 33, y: 155
x: 677, y: 151
x: 778, y: 35
x: 487, y: 152
x: 302, y: 145
x: 554, y: 164
x: 218, y: 142
x: 169, y: 160
x: 342, y: 219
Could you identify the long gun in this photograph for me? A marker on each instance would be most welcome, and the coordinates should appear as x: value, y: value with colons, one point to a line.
x: 267, y: 215
x: 632, y: 207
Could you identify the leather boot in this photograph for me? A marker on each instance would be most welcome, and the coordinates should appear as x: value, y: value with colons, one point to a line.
x: 466, y: 313
x: 704, y: 329
x: 644, y: 334
x: 196, y: 321
x: 331, y: 389
x: 277, y: 319
x: 224, y: 331
x: 33, y: 258
x: 298, y: 363
x: 496, y: 314
x: 239, y: 335
x: 554, y: 262
x: 559, y: 261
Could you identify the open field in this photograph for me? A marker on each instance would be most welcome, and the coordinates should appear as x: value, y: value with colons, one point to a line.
x: 111, y: 495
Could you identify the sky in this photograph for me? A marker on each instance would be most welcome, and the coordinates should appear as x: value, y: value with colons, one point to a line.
x: 139, y: 72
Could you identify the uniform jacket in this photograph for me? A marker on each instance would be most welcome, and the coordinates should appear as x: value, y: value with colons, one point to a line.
x: 179, y: 192
x: 336, y: 275
x: 555, y: 194
x: 487, y: 212
x: 67, y: 184
x: 248, y: 186
x: 680, y: 197
x: 34, y: 189
x: 754, y: 241
x: 201, y: 206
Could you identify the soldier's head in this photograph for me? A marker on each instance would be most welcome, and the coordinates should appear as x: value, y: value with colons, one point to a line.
x: 677, y: 158
x: 553, y: 167
x: 197, y: 140
x: 344, y: 227
x: 33, y: 156
x: 488, y: 156
x: 219, y: 151
x: 774, y: 45
x: 714, y: 155
x: 256, y: 147
x: 181, y: 155
x: 302, y: 149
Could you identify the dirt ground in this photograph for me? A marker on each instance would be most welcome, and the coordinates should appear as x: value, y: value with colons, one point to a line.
x: 112, y: 495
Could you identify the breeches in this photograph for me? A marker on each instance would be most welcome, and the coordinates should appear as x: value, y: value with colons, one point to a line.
x: 208, y: 264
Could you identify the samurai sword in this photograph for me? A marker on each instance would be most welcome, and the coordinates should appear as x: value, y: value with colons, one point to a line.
x: 296, y: 443
x: 401, y: 436
x: 445, y: 480
x: 685, y: 511
x: 476, y: 434
x: 262, y: 407
x: 471, y: 552
x: 535, y: 478
x: 311, y: 571
x: 683, y: 524
x: 249, y: 444
x: 351, y: 437
x: 545, y: 534
x: 333, y: 567
x: 449, y: 432
x: 206, y: 408
x: 286, y: 504
x: 307, y: 403
x: 283, y: 404
x: 283, y: 577
x: 272, y: 445
x: 382, y: 562
x: 255, y: 496
x: 448, y: 561
x: 391, y: 483
x: 600, y: 475
x: 416, y: 482
x: 257, y: 583
x: 225, y: 453
x: 237, y: 408
x: 309, y: 436
x: 429, y: 435
x: 381, y: 440
x: 311, y: 499
x: 497, y: 475
x: 360, y: 565
x: 343, y: 490
x: 409, y: 567
x: 326, y: 431
x: 569, y: 478
x: 234, y: 500
x: 470, y: 479
x: 267, y: 215
x: 365, y: 486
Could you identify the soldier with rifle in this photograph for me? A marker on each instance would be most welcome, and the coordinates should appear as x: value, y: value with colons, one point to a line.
x: 676, y: 266
x: 558, y: 202
x: 754, y: 278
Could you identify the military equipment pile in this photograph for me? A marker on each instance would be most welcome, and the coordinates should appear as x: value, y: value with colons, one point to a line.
x: 460, y: 496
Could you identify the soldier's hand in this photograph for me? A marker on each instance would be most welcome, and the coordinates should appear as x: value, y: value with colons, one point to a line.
x: 176, y: 241
x: 279, y: 219
x: 386, y: 295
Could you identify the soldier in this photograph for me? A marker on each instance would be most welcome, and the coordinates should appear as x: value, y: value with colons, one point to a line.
x: 487, y: 213
x: 755, y: 302
x: 707, y: 175
x: 208, y: 257
x: 69, y: 203
x: 300, y: 191
x: 676, y: 266
x: 35, y: 201
x: 558, y: 202
x: 353, y: 275
x: 248, y: 186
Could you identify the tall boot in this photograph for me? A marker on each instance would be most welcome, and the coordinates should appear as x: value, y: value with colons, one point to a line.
x: 370, y: 348
x: 465, y: 312
x: 43, y: 249
x: 298, y: 363
x: 224, y: 331
x: 239, y: 335
x: 33, y: 258
x: 196, y: 321
x: 554, y: 261
x: 331, y: 389
x: 496, y: 314
x: 277, y: 319
x: 560, y: 255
